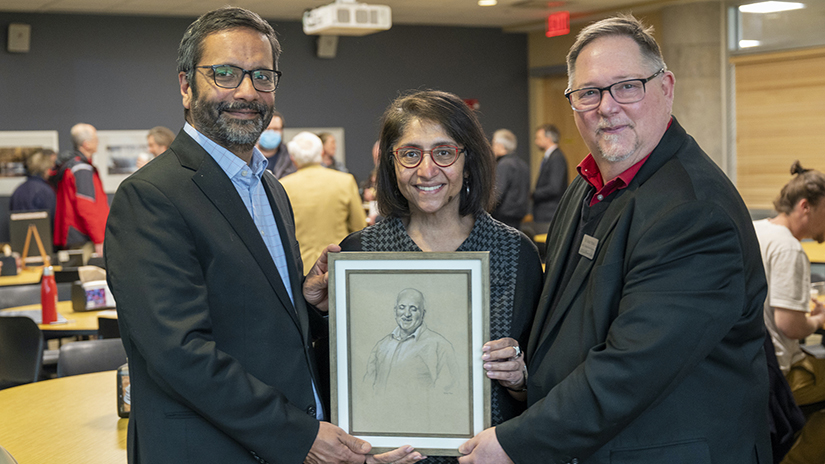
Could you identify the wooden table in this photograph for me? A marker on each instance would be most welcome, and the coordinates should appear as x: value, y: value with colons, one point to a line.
x: 82, y: 323
x: 66, y: 420
x: 27, y: 276
x: 815, y: 251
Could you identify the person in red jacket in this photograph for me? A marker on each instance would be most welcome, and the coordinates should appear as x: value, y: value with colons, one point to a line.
x: 82, y: 206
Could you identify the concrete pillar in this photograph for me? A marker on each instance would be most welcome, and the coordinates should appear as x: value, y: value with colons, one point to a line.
x: 692, y: 41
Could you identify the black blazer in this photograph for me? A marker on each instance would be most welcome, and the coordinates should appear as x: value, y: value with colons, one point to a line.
x: 653, y: 353
x: 550, y: 186
x: 512, y: 190
x: 220, y: 360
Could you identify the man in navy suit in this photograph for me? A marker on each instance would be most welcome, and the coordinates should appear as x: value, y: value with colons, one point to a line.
x: 552, y: 179
x: 207, y: 274
x: 647, y: 342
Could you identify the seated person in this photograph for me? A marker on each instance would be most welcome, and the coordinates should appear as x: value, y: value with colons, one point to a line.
x: 788, y: 316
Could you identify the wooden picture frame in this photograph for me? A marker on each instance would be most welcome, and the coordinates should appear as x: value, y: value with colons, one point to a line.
x: 406, y: 331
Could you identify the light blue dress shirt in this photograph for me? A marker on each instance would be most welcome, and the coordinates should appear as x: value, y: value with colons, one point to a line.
x: 247, y: 181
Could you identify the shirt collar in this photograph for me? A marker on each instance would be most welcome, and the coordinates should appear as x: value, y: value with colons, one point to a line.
x: 590, y: 171
x: 550, y: 149
x: 396, y: 333
x: 228, y: 161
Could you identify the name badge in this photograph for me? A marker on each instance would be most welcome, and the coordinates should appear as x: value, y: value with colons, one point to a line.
x: 588, y: 246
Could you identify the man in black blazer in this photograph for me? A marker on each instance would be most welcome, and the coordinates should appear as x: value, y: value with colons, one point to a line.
x: 512, y: 180
x: 207, y: 275
x: 647, y: 343
x: 552, y: 180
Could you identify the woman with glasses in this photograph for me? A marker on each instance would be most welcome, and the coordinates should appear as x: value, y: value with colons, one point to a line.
x: 435, y: 184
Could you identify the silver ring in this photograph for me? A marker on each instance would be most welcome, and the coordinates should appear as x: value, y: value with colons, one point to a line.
x: 518, y: 351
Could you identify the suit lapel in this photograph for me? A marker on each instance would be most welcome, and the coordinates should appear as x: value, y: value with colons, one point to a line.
x: 279, y: 201
x: 216, y: 186
x: 583, y: 268
x: 558, y: 248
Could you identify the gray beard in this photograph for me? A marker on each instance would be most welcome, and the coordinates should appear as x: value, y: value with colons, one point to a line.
x: 614, y: 157
x: 211, y: 121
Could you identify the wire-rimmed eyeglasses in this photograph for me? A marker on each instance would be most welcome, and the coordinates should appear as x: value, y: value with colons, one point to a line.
x: 626, y: 91
x: 442, y: 155
x: 227, y: 76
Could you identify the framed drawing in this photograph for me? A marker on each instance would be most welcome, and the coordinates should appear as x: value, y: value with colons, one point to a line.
x: 406, y: 331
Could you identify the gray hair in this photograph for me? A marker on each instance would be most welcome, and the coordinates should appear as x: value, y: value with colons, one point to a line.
x: 305, y: 149
x: 550, y: 131
x: 39, y: 162
x: 81, y: 133
x: 620, y: 25
x: 162, y: 135
x: 190, y: 50
x: 507, y: 139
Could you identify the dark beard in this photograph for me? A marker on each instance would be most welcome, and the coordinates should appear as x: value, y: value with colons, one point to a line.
x: 210, y: 119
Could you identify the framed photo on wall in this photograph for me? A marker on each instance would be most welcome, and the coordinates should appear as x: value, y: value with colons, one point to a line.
x: 117, y: 155
x: 406, y: 331
x: 15, y: 146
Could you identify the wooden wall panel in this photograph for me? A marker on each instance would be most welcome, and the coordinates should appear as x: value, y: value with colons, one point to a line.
x: 780, y: 117
x: 558, y: 112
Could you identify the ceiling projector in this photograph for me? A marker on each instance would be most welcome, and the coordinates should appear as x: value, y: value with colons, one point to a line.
x: 347, y: 17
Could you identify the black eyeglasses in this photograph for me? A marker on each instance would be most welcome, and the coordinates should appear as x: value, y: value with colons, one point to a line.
x: 627, y: 91
x: 442, y: 155
x: 227, y: 76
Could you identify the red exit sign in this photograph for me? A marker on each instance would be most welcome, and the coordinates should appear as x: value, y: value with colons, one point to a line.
x: 558, y: 24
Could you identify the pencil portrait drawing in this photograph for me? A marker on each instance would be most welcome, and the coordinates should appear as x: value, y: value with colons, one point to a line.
x: 412, y: 355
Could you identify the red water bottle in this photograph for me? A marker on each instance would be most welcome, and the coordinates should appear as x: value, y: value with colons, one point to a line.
x: 48, y: 295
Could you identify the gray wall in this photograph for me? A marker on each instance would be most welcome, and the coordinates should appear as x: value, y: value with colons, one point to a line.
x: 118, y: 73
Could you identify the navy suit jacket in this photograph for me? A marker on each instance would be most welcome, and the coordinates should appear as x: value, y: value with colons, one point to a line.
x: 653, y: 353
x: 220, y: 359
x: 550, y: 186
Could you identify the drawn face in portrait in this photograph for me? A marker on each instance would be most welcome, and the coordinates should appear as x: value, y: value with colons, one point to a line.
x: 409, y: 311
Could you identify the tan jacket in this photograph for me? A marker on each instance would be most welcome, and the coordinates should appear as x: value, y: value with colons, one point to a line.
x: 327, y: 208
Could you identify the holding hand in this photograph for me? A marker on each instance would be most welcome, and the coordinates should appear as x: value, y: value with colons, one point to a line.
x: 333, y: 445
x: 504, y: 361
x: 403, y: 455
x: 315, y: 284
x: 484, y: 448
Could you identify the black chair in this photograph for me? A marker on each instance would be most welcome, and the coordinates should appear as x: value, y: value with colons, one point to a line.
x: 77, y: 358
x: 107, y: 328
x: 22, y: 295
x: 19, y: 295
x: 21, y: 351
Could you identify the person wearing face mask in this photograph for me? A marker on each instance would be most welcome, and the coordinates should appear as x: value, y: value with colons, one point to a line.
x: 274, y: 150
